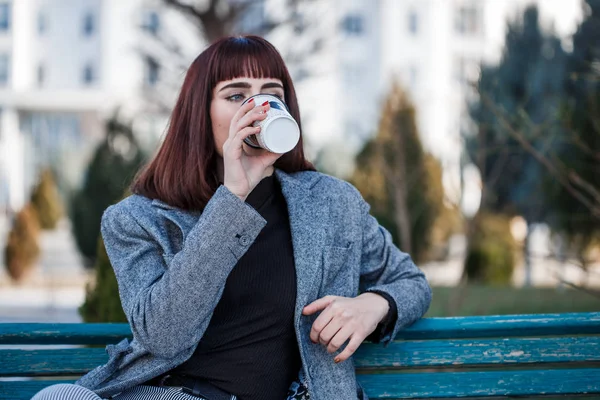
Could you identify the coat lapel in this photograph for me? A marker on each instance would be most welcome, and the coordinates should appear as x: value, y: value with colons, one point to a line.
x: 309, y: 218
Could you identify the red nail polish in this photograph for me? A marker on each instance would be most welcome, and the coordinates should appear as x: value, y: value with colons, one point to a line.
x: 250, y: 101
x: 265, y: 103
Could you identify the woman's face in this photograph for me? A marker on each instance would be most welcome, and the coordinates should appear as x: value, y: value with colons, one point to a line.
x: 227, y: 98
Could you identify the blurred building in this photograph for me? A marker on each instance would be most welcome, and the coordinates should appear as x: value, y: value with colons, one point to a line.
x: 433, y: 48
x: 66, y: 65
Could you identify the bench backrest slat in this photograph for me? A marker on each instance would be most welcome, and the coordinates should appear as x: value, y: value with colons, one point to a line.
x: 50, y: 362
x: 397, y: 355
x: 482, y: 384
x: 24, y: 390
x: 503, y: 326
x: 36, y: 333
x: 456, y: 353
x: 427, y: 328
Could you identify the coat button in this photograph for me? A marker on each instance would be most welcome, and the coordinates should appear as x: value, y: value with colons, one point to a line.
x: 245, y: 240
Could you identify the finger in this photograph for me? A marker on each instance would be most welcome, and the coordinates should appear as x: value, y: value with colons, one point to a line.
x: 351, y: 347
x: 236, y: 141
x: 247, y: 131
x: 332, y: 328
x: 243, y: 110
x: 318, y: 305
x: 338, y: 340
x: 256, y: 114
x: 320, y: 323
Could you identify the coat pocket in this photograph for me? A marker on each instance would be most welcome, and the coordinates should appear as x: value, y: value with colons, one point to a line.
x: 338, y: 273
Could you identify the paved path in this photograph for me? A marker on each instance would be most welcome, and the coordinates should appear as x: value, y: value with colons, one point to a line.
x: 55, y: 288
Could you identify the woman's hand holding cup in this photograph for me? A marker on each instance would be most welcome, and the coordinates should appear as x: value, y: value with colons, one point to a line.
x: 243, y: 171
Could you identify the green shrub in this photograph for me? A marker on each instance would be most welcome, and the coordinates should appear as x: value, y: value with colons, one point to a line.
x: 491, y: 251
x: 109, y: 174
x: 46, y: 201
x: 402, y: 182
x: 102, y: 302
x: 22, y: 248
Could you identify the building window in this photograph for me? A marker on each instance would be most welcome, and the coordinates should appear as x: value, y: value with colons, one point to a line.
x: 152, y: 71
x: 151, y: 22
x: 4, y: 69
x: 413, y: 22
x: 413, y: 75
x: 88, y: 74
x: 42, y: 23
x: 353, y: 25
x: 467, y: 20
x: 466, y: 71
x: 89, y: 24
x: 4, y: 17
x: 41, y: 74
x: 352, y: 74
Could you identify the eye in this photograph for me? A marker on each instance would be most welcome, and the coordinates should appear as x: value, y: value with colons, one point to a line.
x: 235, y: 97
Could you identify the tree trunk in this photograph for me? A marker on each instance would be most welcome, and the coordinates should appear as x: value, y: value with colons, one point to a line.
x: 400, y: 196
x: 402, y: 217
x: 527, y: 256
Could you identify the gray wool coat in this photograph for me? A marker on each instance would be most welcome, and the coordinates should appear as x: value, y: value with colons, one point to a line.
x: 171, y: 266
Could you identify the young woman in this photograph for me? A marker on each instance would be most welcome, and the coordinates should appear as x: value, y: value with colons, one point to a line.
x: 243, y: 273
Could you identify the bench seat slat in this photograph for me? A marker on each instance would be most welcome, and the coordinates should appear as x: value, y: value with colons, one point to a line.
x: 481, y: 384
x: 440, y: 353
x: 426, y: 328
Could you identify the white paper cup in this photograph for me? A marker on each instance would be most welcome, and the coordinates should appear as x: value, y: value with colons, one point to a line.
x: 279, y: 132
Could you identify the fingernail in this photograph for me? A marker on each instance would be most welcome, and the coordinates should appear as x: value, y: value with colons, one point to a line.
x: 265, y: 103
x: 250, y: 101
x: 336, y: 360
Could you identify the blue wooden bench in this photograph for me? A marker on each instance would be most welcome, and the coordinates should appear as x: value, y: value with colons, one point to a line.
x: 519, y: 355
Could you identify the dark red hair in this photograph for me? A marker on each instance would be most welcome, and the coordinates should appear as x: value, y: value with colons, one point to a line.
x: 184, y: 171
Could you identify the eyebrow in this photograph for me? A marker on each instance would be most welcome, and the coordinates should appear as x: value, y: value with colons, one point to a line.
x: 246, y: 85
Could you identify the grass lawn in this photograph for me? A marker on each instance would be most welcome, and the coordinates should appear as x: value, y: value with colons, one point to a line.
x: 488, y: 300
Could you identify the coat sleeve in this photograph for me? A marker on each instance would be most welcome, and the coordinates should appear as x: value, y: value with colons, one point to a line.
x: 386, y: 269
x: 169, y: 309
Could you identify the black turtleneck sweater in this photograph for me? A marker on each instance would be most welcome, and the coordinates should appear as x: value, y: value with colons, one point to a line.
x: 249, y: 348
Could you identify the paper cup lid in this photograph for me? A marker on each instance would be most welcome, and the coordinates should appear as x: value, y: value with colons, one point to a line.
x: 281, y: 134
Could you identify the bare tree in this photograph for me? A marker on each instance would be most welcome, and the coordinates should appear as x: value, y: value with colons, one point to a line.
x: 213, y: 19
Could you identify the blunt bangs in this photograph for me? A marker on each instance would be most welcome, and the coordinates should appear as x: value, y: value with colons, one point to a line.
x: 248, y: 56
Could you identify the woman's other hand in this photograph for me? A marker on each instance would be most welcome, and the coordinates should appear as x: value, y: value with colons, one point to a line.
x: 344, y: 318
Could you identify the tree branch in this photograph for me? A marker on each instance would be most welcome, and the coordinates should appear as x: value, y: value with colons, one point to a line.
x: 561, y: 177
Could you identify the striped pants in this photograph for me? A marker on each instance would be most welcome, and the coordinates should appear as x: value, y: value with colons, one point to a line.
x: 65, y: 391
